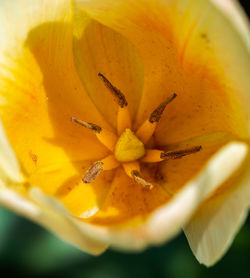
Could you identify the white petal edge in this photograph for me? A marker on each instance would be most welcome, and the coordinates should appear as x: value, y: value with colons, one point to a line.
x: 212, y: 229
x: 168, y: 220
x: 232, y: 10
x: 9, y: 166
x: 58, y: 223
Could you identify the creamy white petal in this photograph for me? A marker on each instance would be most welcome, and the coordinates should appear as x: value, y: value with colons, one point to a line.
x: 28, y: 14
x: 212, y: 229
x: 53, y: 217
x: 9, y: 166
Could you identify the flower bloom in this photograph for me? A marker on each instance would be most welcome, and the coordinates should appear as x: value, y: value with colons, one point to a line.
x: 158, y: 142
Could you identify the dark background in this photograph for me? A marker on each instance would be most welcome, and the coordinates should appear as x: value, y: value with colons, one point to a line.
x: 27, y: 250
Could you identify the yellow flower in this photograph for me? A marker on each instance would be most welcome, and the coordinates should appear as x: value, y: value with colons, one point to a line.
x: 98, y: 164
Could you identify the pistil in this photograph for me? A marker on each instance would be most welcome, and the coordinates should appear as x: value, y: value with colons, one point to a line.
x: 128, y: 150
x: 129, y: 147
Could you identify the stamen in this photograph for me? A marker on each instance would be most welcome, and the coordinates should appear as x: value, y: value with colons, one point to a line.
x: 123, y: 120
x: 107, y: 138
x: 93, y: 172
x: 137, y: 178
x: 156, y: 114
x: 147, y: 129
x: 179, y: 154
x: 152, y: 156
x: 120, y: 98
x: 91, y: 126
x: 132, y: 169
x: 130, y: 166
x: 109, y: 162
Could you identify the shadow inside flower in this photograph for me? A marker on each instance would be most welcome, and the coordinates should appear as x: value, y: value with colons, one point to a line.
x: 68, y: 93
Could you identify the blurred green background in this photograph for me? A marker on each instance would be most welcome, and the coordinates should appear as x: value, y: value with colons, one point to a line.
x: 26, y: 250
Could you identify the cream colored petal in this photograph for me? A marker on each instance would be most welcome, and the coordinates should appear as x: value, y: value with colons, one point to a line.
x: 168, y: 220
x: 28, y: 14
x: 9, y: 166
x: 51, y: 217
x: 212, y: 229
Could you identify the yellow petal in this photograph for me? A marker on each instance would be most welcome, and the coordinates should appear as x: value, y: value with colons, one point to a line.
x: 99, y: 49
x: 160, y: 226
x: 41, y: 91
x: 197, y: 49
x: 167, y: 220
x: 212, y: 229
x: 188, y: 166
x: 35, y: 109
x: 127, y: 199
x: 50, y: 214
x: 81, y: 198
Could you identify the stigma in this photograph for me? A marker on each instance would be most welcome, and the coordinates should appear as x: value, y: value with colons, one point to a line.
x: 129, y: 147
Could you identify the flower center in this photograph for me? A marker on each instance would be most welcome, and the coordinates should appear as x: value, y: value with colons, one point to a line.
x: 126, y: 146
x: 129, y: 147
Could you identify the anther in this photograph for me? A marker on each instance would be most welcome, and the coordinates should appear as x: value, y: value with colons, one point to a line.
x: 156, y: 114
x: 120, y: 98
x: 146, y: 130
x: 91, y: 126
x: 180, y: 153
x: 137, y: 178
x: 93, y: 172
x: 107, y: 138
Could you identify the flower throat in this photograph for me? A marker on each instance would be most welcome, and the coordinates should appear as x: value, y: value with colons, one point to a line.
x: 127, y: 147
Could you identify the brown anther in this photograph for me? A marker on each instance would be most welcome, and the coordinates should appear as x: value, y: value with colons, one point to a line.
x: 156, y: 114
x: 93, y: 172
x: 180, y: 153
x: 137, y: 178
x: 91, y: 126
x: 116, y: 92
